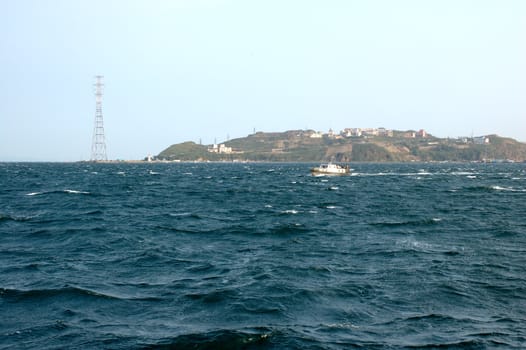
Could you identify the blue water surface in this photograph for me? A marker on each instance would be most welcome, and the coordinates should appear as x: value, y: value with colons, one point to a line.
x: 262, y: 256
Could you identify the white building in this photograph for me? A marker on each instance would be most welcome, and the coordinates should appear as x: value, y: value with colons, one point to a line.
x: 220, y: 149
x: 370, y: 132
x: 481, y: 140
x: 350, y: 132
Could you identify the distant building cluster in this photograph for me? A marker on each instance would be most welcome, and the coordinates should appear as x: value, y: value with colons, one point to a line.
x: 367, y: 132
x: 477, y: 140
x: 383, y: 132
x: 359, y: 132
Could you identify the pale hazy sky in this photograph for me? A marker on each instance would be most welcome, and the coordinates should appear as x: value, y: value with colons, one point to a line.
x: 203, y: 69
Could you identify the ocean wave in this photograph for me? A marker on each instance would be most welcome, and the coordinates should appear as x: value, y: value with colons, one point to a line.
x: 7, y: 217
x: 259, y: 306
x: 64, y: 292
x: 76, y: 192
x: 290, y: 211
x: 413, y: 245
x: 214, y: 296
x: 510, y: 189
x: 423, y: 173
x: 187, y: 215
x: 178, y: 215
x: 45, y: 329
x: 425, y: 318
x: 93, y: 212
x: 287, y: 229
x: 460, y: 344
x: 67, y: 191
x: 34, y: 193
x: 183, y: 230
x: 20, y: 295
x: 421, y: 222
x: 493, y: 188
x: 464, y: 173
x: 328, y: 205
x: 217, y: 339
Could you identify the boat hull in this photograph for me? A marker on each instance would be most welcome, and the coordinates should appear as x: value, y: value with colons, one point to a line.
x: 330, y: 169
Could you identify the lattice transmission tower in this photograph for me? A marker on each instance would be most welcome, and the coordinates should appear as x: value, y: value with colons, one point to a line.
x: 98, y: 145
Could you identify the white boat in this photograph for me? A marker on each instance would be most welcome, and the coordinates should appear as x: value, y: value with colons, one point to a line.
x: 330, y: 169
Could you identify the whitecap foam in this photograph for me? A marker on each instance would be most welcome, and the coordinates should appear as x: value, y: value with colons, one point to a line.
x: 500, y: 188
x: 180, y: 214
x: 462, y: 173
x: 34, y: 193
x: 344, y: 325
x: 75, y: 192
x: 508, y: 189
x: 414, y: 244
x: 290, y: 211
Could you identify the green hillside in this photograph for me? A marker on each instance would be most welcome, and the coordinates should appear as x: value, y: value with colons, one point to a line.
x: 184, y: 151
x: 302, y: 146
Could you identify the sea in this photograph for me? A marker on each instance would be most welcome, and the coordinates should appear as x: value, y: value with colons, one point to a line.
x: 262, y: 256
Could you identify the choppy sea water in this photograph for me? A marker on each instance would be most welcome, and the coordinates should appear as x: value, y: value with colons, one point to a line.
x: 262, y: 256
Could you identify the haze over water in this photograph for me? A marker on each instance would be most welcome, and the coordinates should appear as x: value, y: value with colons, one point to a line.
x: 249, y: 256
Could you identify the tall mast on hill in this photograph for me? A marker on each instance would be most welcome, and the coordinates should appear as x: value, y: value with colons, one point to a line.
x: 98, y: 145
